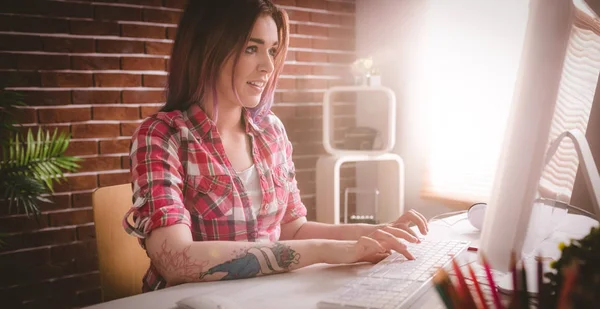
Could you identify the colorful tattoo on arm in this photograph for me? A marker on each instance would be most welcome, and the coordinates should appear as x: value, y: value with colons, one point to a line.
x: 257, y: 260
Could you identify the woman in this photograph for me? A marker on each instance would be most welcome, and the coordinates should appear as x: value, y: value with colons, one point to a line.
x: 214, y: 191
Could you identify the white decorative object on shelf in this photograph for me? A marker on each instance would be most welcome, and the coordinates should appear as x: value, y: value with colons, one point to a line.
x: 391, y: 120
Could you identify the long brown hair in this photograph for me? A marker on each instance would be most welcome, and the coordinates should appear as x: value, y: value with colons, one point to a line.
x: 208, y: 33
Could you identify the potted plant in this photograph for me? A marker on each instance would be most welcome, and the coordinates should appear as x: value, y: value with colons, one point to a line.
x: 29, y: 163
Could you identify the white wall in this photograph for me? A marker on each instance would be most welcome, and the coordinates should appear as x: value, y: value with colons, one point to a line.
x: 388, y: 30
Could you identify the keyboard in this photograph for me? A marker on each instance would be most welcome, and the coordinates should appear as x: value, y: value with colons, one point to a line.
x: 395, y: 282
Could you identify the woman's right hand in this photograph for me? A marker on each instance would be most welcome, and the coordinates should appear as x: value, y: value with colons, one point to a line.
x: 372, y: 248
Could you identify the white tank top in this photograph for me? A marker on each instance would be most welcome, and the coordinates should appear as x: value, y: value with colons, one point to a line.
x: 251, y: 182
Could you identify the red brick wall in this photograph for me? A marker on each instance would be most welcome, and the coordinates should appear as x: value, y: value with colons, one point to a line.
x: 95, y: 69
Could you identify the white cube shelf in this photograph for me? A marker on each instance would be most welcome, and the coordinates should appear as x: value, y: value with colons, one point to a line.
x: 388, y: 144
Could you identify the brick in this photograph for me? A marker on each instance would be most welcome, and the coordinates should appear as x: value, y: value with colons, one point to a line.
x: 341, y: 58
x: 158, y: 48
x: 312, y: 4
x: 296, y: 15
x: 146, y: 111
x: 20, y: 42
x: 40, y: 98
x: 286, y: 83
x: 80, y: 200
x: 22, y: 224
x: 177, y: 4
x: 55, y: 115
x: 113, y: 179
x: 125, y: 162
x: 311, y: 30
x: 8, y: 61
x: 140, y: 2
x: 90, y: 130
x: 75, y: 283
x: 115, y: 146
x: 161, y: 16
x: 26, y: 258
x: 324, y: 18
x: 68, y: 45
x: 171, y: 33
x: 300, y: 42
x: 62, y: 201
x: 96, y: 164
x: 120, y: 47
x: 285, y: 2
x: 42, y: 62
x: 345, y: 7
x: 154, y: 80
x: 143, y: 31
x: 311, y: 83
x: 143, y: 96
x: 60, y: 79
x: 39, y: 238
x: 20, y: 79
x: 95, y: 63
x: 128, y: 128
x: 67, y: 9
x: 346, y: 45
x: 117, y: 80
x: 71, y: 217
x: 87, y: 27
x: 86, y: 232
x: 142, y: 63
x: 340, y: 33
x: 117, y: 13
x: 311, y: 57
x: 35, y: 24
x: 78, y: 183
x: 296, y: 69
x: 96, y: 96
x: 73, y: 251
x: 81, y: 148
x: 116, y: 113
x: 26, y: 116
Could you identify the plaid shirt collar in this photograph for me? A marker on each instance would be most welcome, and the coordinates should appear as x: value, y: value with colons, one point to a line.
x: 202, y: 124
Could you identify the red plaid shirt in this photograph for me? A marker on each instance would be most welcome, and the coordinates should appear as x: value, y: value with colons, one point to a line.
x: 180, y: 175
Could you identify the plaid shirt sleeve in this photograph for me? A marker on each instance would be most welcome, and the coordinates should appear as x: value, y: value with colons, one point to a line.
x: 295, y: 208
x: 157, y: 180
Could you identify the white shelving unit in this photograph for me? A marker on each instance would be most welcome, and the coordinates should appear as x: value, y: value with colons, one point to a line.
x: 390, y: 167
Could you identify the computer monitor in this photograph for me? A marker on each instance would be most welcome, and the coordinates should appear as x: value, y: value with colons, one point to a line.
x: 527, y: 134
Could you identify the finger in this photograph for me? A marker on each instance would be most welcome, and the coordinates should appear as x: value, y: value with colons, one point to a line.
x: 424, y: 219
x: 376, y: 258
x: 408, y: 234
x: 371, y: 246
x: 421, y: 224
x: 390, y: 241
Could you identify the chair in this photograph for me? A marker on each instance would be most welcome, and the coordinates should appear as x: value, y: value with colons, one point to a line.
x: 122, y: 261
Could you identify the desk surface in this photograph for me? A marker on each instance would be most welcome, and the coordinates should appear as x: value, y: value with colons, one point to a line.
x: 304, y: 288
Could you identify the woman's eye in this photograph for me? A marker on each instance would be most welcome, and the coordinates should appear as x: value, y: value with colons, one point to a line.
x: 251, y: 49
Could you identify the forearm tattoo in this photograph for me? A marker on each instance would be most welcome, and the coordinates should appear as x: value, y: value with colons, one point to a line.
x: 177, y: 262
x: 257, y: 260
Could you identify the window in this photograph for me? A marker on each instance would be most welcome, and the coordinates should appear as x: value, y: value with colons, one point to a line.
x: 469, y: 64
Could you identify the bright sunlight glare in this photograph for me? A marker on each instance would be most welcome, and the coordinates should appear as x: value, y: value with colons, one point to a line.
x: 468, y: 68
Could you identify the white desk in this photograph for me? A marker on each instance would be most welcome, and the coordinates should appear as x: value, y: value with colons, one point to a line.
x: 304, y: 288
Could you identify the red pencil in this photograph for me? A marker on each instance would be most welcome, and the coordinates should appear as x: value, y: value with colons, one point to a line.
x: 478, y: 288
x: 463, y: 289
x: 491, y: 282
